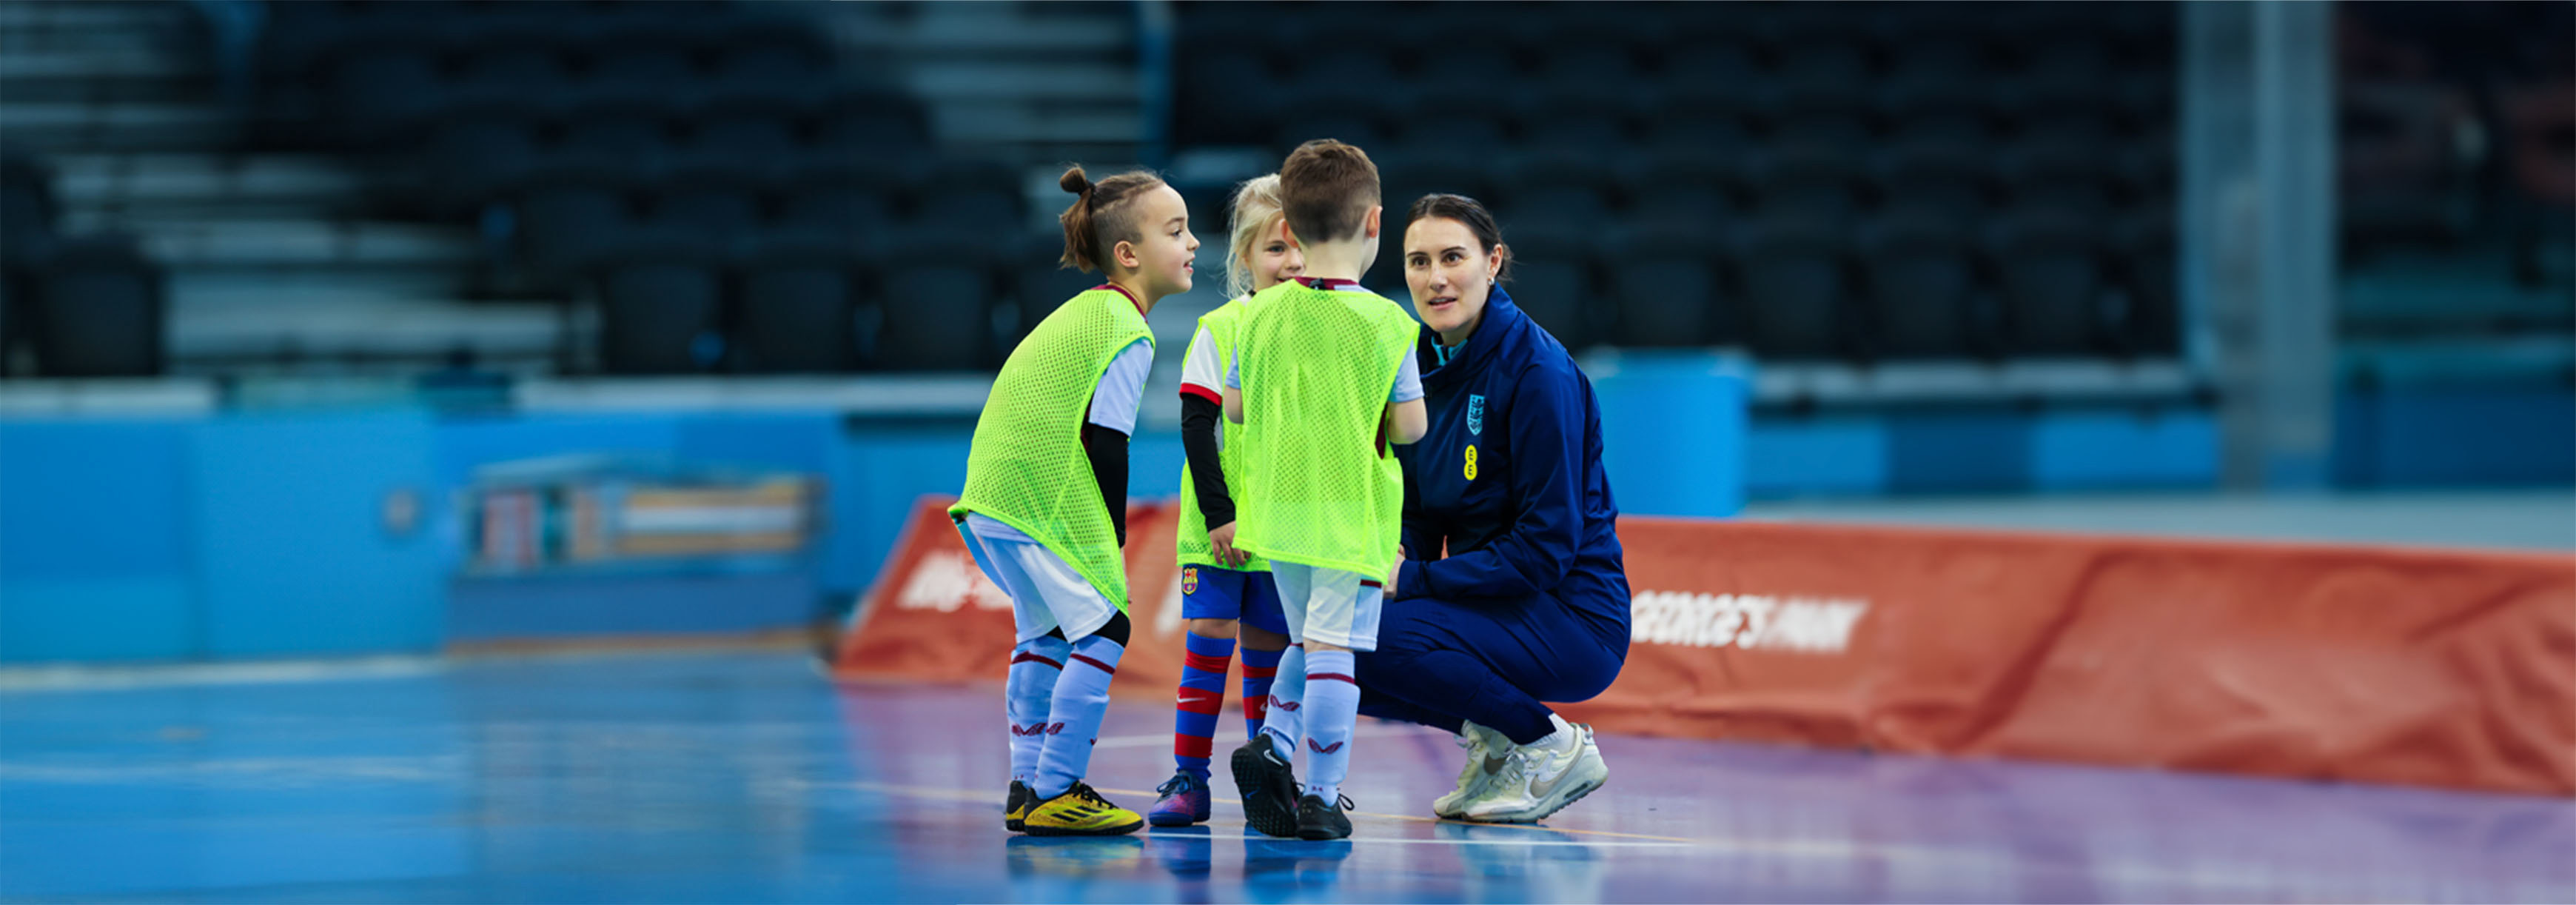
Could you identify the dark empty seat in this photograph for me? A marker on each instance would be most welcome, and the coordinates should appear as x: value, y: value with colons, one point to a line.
x: 751, y: 127
x: 1583, y: 118
x: 648, y: 51
x: 714, y: 202
x: 1342, y: 66
x: 799, y: 307
x: 1566, y: 189
x: 1825, y: 59
x: 1552, y: 278
x: 1810, y: 182
x: 619, y: 121
x: 938, y: 300
x: 1933, y: 174
x: 1666, y: 288
x: 1711, y: 62
x: 1483, y: 57
x: 1817, y: 109
x: 872, y: 121
x: 1596, y: 59
x: 2048, y: 271
x: 2146, y: 322
x: 1405, y: 175
x: 1933, y: 107
x: 1795, y: 287
x: 480, y: 146
x: 2056, y: 110
x: 509, y: 52
x: 1917, y: 56
x: 570, y: 210
x: 769, y: 52
x: 845, y: 198
x: 98, y: 310
x: 27, y: 209
x: 970, y: 196
x: 1039, y: 283
x: 382, y: 89
x: 2067, y: 175
x: 661, y: 300
x: 1919, y: 283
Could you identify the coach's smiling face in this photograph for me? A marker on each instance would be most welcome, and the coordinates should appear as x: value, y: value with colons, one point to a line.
x: 1450, y: 276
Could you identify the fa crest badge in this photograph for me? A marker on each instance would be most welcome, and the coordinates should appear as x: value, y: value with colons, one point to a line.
x: 1190, y: 580
x: 1475, y: 414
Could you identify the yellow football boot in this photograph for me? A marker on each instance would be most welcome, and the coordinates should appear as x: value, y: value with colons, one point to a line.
x: 1080, y: 812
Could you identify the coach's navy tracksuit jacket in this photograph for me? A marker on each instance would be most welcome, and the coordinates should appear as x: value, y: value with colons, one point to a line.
x: 1508, y: 482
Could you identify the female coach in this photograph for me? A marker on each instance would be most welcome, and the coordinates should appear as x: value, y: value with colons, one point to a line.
x: 1511, y: 590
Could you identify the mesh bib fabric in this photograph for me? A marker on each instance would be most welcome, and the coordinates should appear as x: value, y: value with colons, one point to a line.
x: 1222, y: 326
x: 1320, y: 486
x: 1026, y: 468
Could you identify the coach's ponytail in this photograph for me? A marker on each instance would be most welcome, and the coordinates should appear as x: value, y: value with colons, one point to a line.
x: 1098, y: 219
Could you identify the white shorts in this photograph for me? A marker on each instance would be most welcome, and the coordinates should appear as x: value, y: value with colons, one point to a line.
x: 1046, y: 592
x: 1329, y: 605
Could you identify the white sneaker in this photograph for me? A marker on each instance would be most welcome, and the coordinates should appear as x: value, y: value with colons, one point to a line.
x: 1540, y: 779
x: 1484, y: 758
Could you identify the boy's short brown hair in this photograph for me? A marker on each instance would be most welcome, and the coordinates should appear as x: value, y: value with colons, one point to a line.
x: 1326, y: 189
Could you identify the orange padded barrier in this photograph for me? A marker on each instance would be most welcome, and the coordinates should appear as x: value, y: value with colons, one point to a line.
x: 2353, y: 663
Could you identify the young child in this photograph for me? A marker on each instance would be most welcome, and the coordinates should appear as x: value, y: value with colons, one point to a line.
x: 1054, y: 427
x: 1323, y: 381
x: 1221, y: 585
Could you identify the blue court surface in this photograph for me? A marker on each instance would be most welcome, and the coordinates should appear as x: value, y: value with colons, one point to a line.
x: 745, y: 777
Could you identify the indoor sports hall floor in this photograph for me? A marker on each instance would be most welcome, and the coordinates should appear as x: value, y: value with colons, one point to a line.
x: 744, y: 777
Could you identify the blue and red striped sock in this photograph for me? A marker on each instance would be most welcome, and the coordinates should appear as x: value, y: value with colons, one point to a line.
x: 1260, y: 668
x: 1202, y: 693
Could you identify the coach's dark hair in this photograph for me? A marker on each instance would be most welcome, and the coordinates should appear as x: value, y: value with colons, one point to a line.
x: 1478, y: 220
x: 1100, y: 218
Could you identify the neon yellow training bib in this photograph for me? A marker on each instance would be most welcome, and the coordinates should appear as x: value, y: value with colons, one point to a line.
x: 1026, y: 468
x: 1321, y: 487
x: 1194, y: 549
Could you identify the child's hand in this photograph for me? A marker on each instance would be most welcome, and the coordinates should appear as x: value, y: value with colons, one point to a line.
x: 1222, y: 538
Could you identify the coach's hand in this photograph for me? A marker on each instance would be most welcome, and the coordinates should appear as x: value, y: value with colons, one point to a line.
x: 1222, y: 538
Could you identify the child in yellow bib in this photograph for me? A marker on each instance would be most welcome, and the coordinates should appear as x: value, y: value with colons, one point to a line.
x: 1226, y: 593
x: 1323, y: 381
x: 1045, y: 504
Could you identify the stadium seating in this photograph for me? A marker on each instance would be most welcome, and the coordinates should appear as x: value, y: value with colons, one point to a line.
x: 1833, y: 139
x: 581, y: 133
x: 99, y: 306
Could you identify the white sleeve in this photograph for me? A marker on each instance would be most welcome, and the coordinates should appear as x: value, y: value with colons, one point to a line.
x: 1199, y: 367
x: 1122, y: 388
x: 1408, y: 380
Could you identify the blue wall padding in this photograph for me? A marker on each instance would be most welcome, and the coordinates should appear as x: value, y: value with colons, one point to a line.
x: 1673, y: 432
x: 2124, y: 449
x: 2456, y: 437
x: 1832, y: 456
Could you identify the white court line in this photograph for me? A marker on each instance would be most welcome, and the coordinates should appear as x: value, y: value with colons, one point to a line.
x: 1164, y: 739
x: 987, y: 797
x: 98, y: 678
x: 2252, y: 879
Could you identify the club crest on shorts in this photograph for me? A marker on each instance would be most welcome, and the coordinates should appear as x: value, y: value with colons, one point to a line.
x: 1190, y: 580
x: 1475, y: 414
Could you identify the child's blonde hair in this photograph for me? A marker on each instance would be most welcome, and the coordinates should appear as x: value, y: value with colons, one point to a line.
x: 1256, y: 203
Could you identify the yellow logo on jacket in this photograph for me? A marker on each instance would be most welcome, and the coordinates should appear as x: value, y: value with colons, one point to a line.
x: 1471, y: 463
